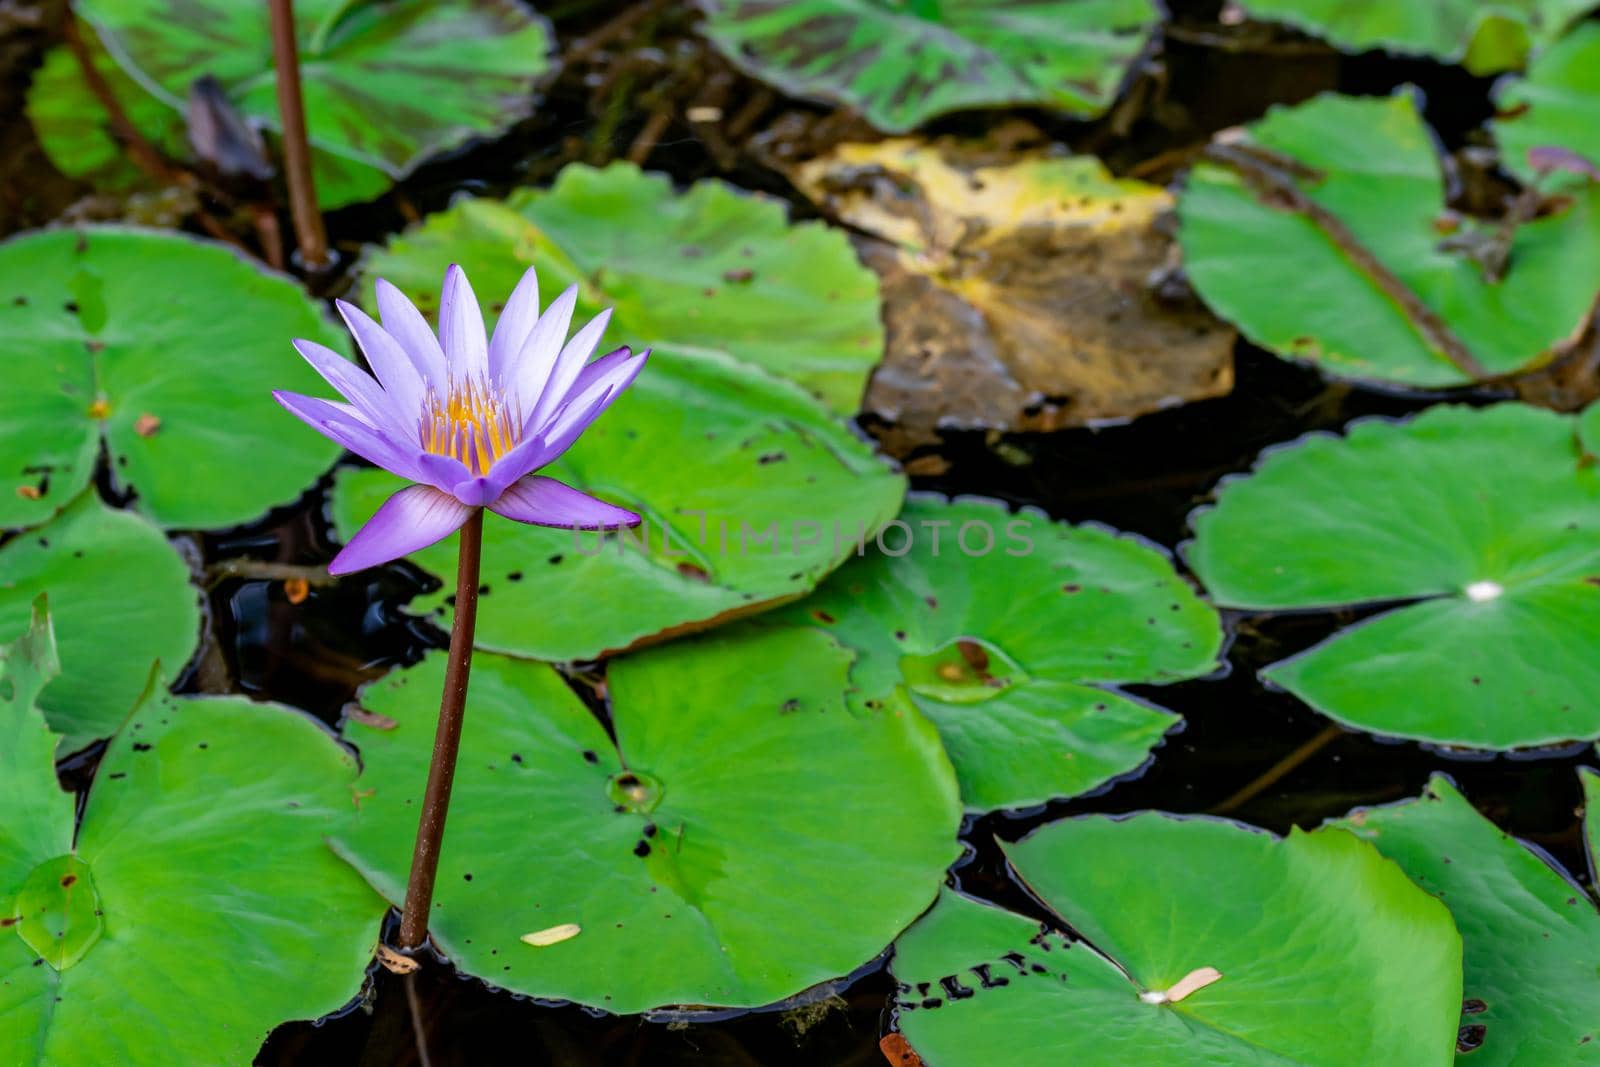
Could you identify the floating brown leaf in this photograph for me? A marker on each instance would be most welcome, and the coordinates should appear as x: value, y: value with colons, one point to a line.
x: 1022, y: 290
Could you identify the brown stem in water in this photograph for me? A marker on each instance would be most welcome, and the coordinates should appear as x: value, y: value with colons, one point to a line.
x: 308, y: 231
x: 446, y: 741
x: 1329, y: 734
x: 143, y: 154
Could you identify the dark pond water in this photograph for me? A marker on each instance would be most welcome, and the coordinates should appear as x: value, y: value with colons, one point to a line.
x: 1145, y: 477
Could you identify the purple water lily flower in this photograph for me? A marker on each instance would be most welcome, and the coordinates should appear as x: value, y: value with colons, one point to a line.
x: 469, y: 418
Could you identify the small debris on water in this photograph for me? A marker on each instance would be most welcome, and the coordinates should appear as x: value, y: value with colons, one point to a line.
x: 371, y: 718
x: 1195, y: 980
x: 552, y: 935
x: 395, y: 963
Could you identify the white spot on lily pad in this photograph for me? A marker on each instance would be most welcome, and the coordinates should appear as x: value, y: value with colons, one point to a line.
x: 1479, y: 592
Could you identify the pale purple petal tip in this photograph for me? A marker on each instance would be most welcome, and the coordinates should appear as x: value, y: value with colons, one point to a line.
x: 568, y: 365
x: 515, y: 323
x: 461, y: 326
x: 529, y: 370
x: 413, y: 518
x: 395, y: 368
x: 407, y: 326
x: 541, y: 501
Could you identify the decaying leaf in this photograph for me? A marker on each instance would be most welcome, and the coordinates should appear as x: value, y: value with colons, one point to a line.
x: 553, y: 935
x: 898, y: 1051
x: 395, y: 963
x: 369, y: 718
x: 1022, y: 290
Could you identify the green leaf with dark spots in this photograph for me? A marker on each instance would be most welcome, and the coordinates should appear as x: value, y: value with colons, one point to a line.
x: 199, y: 906
x: 902, y: 63
x: 1530, y: 933
x: 165, y: 349
x: 1203, y: 943
x: 746, y: 835
x: 1013, y: 633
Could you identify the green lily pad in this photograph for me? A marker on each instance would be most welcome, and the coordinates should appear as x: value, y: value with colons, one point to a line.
x: 1011, y: 633
x: 199, y: 906
x: 1530, y: 934
x: 121, y: 600
x: 750, y: 493
x: 1557, y: 104
x: 901, y: 64
x: 1484, y: 524
x: 1158, y: 898
x: 711, y: 269
x: 385, y: 85
x: 1348, y: 192
x: 164, y: 348
x: 747, y: 836
x: 1485, y: 38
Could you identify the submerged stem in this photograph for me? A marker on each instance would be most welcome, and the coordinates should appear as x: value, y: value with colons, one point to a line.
x: 308, y: 231
x: 446, y: 741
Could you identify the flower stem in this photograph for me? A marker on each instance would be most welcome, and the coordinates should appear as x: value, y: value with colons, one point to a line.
x: 446, y: 741
x: 308, y: 231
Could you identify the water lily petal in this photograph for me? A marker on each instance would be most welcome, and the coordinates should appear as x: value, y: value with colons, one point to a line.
x: 524, y: 458
x: 344, y: 424
x: 516, y: 321
x: 350, y: 381
x: 406, y: 325
x: 402, y: 382
x: 569, y: 364
x: 466, y: 349
x: 615, y: 372
x: 592, y: 371
x: 413, y: 518
x: 441, y: 472
x: 541, y: 501
x: 530, y: 368
x: 586, y: 405
x: 476, y: 492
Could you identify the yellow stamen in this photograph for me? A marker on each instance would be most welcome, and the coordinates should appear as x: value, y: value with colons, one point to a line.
x: 471, y: 423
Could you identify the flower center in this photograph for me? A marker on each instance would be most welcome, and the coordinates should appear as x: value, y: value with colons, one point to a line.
x: 472, y: 423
